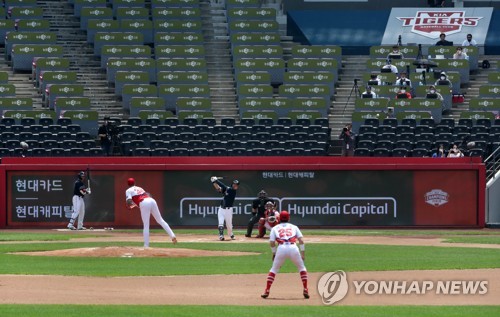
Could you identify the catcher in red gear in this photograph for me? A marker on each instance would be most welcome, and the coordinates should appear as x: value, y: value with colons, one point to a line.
x: 271, y: 218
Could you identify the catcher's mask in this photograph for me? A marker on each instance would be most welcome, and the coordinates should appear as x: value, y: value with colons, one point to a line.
x: 262, y: 194
x: 269, y: 205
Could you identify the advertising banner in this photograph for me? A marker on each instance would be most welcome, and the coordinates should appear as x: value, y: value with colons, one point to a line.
x: 424, y: 25
x: 335, y: 198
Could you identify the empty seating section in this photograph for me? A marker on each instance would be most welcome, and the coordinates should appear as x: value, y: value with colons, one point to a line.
x: 421, y: 137
x: 153, y: 53
x: 198, y: 137
x: 67, y: 116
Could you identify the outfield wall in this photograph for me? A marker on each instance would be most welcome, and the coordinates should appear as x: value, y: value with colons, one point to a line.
x: 318, y: 191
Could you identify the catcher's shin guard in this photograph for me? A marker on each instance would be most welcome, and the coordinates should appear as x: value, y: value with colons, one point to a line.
x: 262, y: 228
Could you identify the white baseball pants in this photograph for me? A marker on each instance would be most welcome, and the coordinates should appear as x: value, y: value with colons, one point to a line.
x: 287, y: 251
x: 149, y: 207
x: 78, y: 210
x: 226, y: 214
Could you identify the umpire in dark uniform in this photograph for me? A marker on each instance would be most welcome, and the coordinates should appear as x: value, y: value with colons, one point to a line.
x: 258, y: 209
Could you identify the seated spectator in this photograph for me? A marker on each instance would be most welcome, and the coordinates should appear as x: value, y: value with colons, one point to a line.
x: 368, y: 93
x: 443, y: 81
x: 433, y: 94
x: 442, y: 41
x: 390, y: 113
x: 403, y: 93
x: 460, y: 54
x: 440, y: 152
x: 403, y: 80
x: 455, y: 152
x: 469, y: 41
x: 389, y: 68
x: 395, y: 54
x: 374, y: 80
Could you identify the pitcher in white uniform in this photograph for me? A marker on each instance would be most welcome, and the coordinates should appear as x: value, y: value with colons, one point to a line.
x: 283, y: 241
x: 137, y: 197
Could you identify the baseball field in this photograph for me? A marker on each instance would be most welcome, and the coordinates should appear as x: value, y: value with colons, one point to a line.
x: 108, y: 273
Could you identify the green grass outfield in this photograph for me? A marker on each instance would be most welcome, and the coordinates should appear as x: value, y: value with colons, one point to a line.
x: 348, y: 257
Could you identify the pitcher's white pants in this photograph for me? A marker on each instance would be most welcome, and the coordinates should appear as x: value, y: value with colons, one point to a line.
x: 226, y: 214
x: 149, y: 207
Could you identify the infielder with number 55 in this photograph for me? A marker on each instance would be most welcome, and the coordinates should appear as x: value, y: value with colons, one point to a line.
x: 286, y: 235
x: 137, y: 197
x: 225, y: 212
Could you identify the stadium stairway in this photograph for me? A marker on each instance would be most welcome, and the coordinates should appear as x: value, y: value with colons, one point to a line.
x: 477, y: 79
x: 218, y: 57
x: 353, y: 67
x: 60, y: 14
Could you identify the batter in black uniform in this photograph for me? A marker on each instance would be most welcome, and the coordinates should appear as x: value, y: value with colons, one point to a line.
x: 225, y: 212
x: 79, y: 191
x: 258, y: 208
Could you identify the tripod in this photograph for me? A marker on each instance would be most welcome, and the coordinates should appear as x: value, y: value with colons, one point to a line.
x: 420, y: 57
x: 355, y: 89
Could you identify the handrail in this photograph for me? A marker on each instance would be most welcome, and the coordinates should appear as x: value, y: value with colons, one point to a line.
x: 492, y: 163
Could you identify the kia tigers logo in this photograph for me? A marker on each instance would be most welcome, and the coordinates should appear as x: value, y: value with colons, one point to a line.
x: 432, y: 23
x: 436, y: 197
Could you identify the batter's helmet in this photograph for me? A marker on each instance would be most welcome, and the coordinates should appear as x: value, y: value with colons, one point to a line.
x: 131, y: 181
x: 284, y: 216
x: 81, y: 174
x: 237, y: 182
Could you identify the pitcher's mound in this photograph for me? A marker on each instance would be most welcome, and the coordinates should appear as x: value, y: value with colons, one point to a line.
x: 135, y: 252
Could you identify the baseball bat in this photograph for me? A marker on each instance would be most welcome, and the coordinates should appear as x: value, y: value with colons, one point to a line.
x: 88, y: 177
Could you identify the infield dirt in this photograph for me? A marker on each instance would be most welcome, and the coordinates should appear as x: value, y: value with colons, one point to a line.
x: 242, y: 289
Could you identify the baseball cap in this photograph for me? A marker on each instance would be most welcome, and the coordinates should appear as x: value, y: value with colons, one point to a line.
x: 130, y: 181
x: 284, y: 215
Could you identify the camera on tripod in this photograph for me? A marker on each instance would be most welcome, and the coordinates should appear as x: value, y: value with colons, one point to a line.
x: 356, y: 81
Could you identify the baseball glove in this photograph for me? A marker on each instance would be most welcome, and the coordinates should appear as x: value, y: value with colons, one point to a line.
x: 271, y: 219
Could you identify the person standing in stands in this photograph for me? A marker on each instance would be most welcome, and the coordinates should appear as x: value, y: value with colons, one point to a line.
x: 347, y: 137
x: 106, y: 136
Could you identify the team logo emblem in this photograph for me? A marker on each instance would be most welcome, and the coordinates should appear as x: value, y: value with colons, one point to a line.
x: 432, y: 23
x: 436, y: 197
